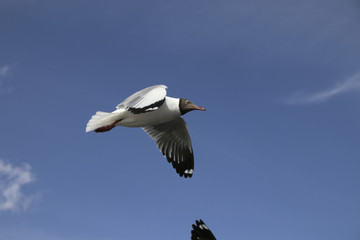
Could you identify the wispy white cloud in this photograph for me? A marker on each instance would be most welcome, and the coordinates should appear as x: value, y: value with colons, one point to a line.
x: 349, y: 84
x: 4, y: 70
x: 12, y: 180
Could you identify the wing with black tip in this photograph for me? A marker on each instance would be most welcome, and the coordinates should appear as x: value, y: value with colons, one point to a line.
x: 173, y: 140
x: 201, y: 232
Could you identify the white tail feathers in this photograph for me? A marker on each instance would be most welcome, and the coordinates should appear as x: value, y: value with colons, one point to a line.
x: 101, y: 119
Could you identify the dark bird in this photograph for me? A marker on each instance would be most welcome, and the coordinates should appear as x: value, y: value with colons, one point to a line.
x: 201, y: 232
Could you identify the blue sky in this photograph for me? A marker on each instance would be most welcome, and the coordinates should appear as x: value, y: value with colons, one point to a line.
x: 276, y: 152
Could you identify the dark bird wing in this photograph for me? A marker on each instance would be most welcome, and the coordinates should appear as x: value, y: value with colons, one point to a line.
x: 201, y: 232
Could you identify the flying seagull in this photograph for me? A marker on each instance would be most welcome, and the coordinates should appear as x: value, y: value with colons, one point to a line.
x: 201, y: 232
x: 160, y: 117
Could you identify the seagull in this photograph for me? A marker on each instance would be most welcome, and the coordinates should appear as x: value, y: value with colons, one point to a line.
x: 201, y: 232
x: 160, y: 117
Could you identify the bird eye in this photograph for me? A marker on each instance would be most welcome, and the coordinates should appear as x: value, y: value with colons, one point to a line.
x: 187, y: 101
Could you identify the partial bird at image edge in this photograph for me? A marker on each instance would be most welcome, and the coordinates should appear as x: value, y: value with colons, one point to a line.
x: 201, y: 232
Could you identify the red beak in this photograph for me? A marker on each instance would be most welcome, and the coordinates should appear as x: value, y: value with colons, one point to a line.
x: 199, y: 108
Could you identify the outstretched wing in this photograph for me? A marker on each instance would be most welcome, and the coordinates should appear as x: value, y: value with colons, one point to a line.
x: 146, y: 100
x: 173, y: 140
x: 201, y: 231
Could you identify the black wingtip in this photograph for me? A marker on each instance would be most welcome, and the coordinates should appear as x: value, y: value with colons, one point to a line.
x: 201, y: 232
x: 184, y: 169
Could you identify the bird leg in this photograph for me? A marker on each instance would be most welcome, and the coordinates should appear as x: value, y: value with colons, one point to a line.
x: 107, y: 128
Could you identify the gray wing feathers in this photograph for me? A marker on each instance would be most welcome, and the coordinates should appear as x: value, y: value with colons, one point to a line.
x: 173, y: 140
x: 144, y: 97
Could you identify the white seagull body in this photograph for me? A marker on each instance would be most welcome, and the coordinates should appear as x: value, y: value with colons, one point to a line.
x: 160, y: 117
